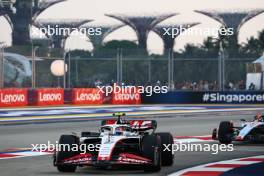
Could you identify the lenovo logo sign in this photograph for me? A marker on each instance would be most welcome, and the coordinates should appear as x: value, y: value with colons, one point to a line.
x: 87, y: 96
x: 127, y: 97
x: 50, y: 97
x: 12, y: 98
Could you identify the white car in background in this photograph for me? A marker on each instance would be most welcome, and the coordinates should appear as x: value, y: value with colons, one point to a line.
x: 252, y: 131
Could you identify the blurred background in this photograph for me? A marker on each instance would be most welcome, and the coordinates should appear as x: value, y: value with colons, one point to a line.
x: 132, y: 48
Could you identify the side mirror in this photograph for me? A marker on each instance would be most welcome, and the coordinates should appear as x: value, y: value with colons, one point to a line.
x: 242, y: 120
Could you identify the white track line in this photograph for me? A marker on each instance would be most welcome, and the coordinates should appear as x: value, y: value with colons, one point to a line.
x: 228, y: 165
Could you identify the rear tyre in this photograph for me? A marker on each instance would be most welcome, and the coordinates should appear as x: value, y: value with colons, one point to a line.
x: 61, y: 155
x: 166, y: 156
x: 151, y: 149
x: 225, y: 132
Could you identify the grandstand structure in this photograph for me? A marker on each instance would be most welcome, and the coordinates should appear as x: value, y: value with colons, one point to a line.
x: 61, y: 29
x: 169, y: 39
x: 97, y: 40
x: 142, y: 25
x: 21, y: 14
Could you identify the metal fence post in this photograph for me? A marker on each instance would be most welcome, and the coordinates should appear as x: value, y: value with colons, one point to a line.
x: 34, y: 49
x: 220, y: 67
x: 2, y: 67
x: 172, y: 68
x: 69, y: 70
x: 117, y: 67
x: 121, y: 66
x: 223, y: 70
x: 169, y: 68
x: 64, y: 70
x: 76, y: 71
x: 219, y: 71
x: 149, y: 70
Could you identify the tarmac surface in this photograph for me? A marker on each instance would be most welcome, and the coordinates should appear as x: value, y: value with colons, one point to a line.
x: 19, y: 136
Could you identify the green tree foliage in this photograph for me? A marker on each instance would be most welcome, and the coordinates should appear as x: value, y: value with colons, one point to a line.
x: 110, y: 48
x: 124, y: 44
x: 80, y: 53
x: 254, y: 46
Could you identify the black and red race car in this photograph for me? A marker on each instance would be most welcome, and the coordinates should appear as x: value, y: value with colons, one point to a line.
x: 118, y: 142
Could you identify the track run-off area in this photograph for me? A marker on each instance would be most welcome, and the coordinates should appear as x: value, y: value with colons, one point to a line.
x: 21, y: 127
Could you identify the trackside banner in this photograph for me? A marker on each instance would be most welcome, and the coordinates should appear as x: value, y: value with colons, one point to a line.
x: 48, y: 96
x: 86, y: 96
x: 211, y: 97
x: 13, y: 97
x: 126, y: 96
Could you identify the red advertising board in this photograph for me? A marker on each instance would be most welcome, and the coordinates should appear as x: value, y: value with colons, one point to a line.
x: 49, y: 96
x: 87, y: 96
x: 13, y: 97
x: 126, y: 97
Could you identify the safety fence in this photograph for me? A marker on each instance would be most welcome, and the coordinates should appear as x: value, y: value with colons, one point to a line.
x: 208, y: 71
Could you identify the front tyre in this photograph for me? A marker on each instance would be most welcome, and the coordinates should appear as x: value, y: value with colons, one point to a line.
x: 62, y: 155
x: 151, y: 149
x: 166, y: 155
x: 225, y: 132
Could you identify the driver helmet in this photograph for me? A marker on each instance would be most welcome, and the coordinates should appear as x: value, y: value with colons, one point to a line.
x: 259, y: 117
x: 120, y: 130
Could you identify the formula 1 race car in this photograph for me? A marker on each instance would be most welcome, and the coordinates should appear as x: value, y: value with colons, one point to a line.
x: 119, y: 142
x: 252, y: 131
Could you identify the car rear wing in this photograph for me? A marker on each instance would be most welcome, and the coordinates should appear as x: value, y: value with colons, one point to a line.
x: 138, y: 125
